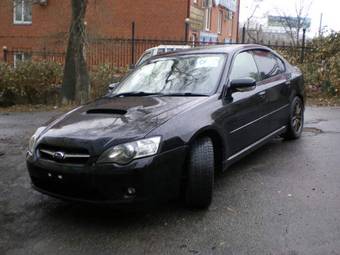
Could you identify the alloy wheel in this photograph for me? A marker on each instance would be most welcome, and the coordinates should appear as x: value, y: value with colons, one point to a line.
x: 297, y: 118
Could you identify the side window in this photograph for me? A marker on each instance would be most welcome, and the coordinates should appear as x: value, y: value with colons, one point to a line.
x: 244, y: 67
x: 161, y: 50
x: 269, y: 65
x: 281, y: 64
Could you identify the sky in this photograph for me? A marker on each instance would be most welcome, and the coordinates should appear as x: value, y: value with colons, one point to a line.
x: 329, y: 8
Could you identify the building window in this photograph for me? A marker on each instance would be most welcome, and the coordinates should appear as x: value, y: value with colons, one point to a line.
x: 220, y: 21
x: 205, y: 3
x: 18, y: 57
x: 22, y: 11
x: 230, y: 15
x: 194, y: 40
x: 207, y: 17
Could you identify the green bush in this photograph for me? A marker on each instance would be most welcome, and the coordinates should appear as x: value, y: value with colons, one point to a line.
x: 30, y: 83
x: 102, y: 77
x: 40, y: 82
x: 322, y: 66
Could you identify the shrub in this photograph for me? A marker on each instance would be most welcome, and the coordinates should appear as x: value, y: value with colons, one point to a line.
x: 40, y: 82
x: 322, y: 65
x: 102, y: 77
x: 30, y: 83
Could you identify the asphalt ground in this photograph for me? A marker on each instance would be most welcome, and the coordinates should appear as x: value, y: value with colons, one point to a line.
x: 281, y: 199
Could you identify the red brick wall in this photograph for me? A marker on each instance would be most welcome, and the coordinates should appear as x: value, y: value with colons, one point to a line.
x: 156, y: 19
x: 110, y: 18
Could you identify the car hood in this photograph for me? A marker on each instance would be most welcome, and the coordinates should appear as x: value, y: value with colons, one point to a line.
x: 111, y: 121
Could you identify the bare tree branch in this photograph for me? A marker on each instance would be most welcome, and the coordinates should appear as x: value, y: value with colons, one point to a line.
x: 294, y: 24
x: 249, y: 30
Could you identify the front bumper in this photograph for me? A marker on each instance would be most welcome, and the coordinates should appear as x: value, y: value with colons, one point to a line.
x: 157, y: 177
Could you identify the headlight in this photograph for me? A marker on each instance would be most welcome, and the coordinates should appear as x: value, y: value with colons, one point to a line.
x: 31, y: 144
x: 33, y: 140
x: 124, y: 153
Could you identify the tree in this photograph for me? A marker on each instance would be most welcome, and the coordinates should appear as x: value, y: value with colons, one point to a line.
x: 76, y: 81
x: 253, y: 29
x: 293, y: 25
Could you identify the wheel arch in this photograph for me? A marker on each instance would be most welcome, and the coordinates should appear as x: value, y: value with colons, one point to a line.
x: 218, y: 144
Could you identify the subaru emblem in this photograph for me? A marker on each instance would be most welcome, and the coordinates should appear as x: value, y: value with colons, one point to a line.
x: 59, y: 155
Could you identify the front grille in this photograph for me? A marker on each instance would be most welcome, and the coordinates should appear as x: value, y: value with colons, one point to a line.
x: 63, y: 154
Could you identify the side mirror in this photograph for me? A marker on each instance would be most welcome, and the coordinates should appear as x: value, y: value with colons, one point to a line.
x: 242, y: 85
x: 112, y: 87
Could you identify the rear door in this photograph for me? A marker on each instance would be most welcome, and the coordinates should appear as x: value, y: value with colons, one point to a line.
x: 243, y: 120
x: 274, y: 83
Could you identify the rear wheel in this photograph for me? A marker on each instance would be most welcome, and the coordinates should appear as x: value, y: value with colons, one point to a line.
x: 201, y: 164
x: 296, y: 119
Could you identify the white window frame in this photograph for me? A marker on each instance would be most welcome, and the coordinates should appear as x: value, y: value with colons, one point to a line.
x: 24, y: 57
x: 230, y: 15
x: 207, y: 19
x: 220, y: 22
x: 194, y: 39
x: 22, y: 21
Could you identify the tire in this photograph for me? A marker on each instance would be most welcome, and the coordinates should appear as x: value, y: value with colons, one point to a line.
x: 200, y: 179
x: 296, y: 119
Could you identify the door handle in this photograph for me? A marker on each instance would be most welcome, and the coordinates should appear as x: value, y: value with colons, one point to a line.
x: 262, y: 93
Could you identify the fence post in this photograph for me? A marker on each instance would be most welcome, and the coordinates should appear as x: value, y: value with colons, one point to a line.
x: 302, y: 57
x: 44, y: 53
x: 133, y: 44
x: 5, y: 53
x: 243, y: 34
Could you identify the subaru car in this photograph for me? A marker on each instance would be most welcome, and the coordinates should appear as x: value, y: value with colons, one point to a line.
x: 169, y: 126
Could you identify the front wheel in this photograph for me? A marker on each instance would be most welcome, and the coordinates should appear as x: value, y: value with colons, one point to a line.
x: 296, y: 119
x: 200, y: 181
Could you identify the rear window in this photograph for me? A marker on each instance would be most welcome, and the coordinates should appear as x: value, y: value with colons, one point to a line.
x: 161, y: 50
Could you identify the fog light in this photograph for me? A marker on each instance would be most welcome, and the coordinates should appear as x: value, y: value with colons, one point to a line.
x: 131, y: 191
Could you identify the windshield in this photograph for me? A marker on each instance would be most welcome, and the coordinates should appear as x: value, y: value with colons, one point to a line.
x: 190, y: 74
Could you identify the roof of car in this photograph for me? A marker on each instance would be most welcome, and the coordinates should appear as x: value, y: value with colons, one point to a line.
x: 169, y: 46
x: 228, y: 48
x: 213, y: 49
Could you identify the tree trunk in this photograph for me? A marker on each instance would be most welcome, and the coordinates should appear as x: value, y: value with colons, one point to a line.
x: 298, y: 37
x: 76, y: 81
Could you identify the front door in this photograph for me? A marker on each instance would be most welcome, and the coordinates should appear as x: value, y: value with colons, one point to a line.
x: 244, y: 111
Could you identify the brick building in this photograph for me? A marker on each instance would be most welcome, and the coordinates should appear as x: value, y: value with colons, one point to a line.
x: 44, y: 24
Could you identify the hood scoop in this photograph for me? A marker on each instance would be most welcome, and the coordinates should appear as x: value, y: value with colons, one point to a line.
x: 106, y: 111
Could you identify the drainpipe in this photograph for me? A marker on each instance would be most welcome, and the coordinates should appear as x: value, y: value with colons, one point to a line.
x: 238, y: 22
x: 187, y: 20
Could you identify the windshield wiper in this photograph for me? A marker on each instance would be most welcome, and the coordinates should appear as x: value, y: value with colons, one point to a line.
x: 188, y: 94
x: 137, y: 94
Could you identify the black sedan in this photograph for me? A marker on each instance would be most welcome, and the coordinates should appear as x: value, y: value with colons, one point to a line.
x: 169, y: 126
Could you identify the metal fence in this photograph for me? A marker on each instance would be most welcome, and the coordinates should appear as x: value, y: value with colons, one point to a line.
x: 124, y: 52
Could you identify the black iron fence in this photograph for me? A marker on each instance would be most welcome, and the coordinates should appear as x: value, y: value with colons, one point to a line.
x: 124, y: 52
